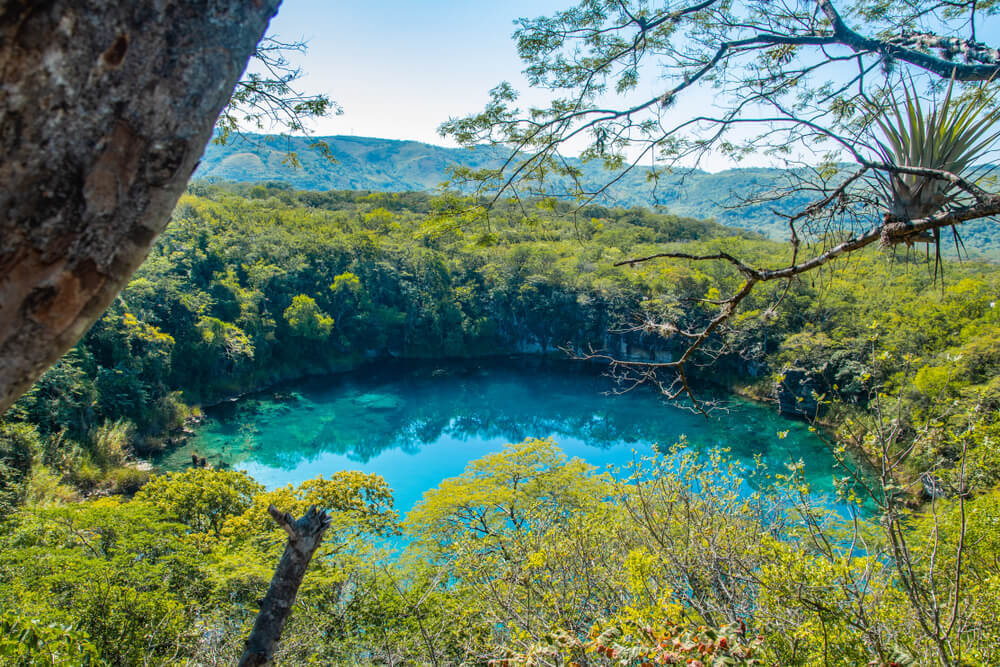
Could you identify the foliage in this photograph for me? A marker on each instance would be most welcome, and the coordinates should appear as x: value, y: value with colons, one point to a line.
x: 249, y: 285
x: 528, y: 556
x: 385, y: 165
x: 779, y: 81
x: 124, y: 583
x: 201, y: 499
x: 634, y: 641
x: 266, y: 97
x: 953, y: 137
x: 306, y: 319
x: 671, y: 562
x: 19, y: 445
x: 351, y: 499
x: 243, y: 290
x: 27, y: 642
x: 795, y: 83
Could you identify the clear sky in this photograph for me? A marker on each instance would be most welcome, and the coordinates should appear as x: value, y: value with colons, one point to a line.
x: 399, y: 69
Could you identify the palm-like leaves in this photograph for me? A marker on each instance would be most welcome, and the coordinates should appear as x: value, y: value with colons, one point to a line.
x: 951, y: 137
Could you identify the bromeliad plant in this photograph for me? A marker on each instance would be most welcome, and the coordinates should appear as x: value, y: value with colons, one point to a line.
x: 951, y: 137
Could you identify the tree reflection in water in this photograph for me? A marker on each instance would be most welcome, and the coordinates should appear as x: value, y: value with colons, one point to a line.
x: 417, y: 423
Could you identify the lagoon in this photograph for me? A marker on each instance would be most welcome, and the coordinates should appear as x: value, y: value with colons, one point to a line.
x: 417, y: 424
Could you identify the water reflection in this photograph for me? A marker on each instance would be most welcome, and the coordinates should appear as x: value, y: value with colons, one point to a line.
x: 417, y: 424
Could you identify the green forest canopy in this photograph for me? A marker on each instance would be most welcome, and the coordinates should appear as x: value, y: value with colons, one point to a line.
x: 255, y: 283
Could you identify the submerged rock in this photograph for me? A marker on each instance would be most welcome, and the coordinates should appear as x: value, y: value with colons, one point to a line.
x: 375, y: 401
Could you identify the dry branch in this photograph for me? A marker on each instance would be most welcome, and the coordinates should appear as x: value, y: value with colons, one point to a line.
x: 304, y: 537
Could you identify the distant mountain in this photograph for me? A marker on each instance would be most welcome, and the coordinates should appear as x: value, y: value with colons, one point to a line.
x: 365, y: 163
x: 362, y: 163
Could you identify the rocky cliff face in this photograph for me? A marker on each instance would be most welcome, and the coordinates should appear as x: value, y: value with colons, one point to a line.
x: 797, y: 393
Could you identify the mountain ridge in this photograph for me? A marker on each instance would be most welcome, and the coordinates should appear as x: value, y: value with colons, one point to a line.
x: 370, y: 163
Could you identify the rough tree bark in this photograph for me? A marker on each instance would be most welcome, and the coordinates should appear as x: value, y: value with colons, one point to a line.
x: 105, y: 109
x: 304, y: 537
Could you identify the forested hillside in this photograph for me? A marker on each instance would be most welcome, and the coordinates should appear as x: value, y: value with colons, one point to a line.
x: 252, y: 284
x: 556, y: 398
x: 363, y: 163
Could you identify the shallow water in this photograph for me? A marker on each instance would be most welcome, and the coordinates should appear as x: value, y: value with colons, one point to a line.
x: 418, y: 424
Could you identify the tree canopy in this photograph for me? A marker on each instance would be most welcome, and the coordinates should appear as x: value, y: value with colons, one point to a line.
x: 808, y: 83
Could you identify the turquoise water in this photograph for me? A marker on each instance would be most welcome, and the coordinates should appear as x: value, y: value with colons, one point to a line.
x: 417, y: 424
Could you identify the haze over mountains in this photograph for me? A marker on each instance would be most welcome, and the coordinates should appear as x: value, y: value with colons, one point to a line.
x: 365, y: 163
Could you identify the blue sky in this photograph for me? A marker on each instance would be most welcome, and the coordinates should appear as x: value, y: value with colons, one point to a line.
x: 399, y: 69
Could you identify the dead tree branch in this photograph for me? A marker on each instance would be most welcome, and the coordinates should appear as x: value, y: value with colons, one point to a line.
x: 304, y: 537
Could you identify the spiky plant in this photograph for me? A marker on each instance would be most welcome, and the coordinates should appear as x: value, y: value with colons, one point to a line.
x: 952, y: 136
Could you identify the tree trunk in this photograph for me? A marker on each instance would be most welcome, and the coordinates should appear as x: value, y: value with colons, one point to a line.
x: 105, y: 109
x: 304, y: 537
